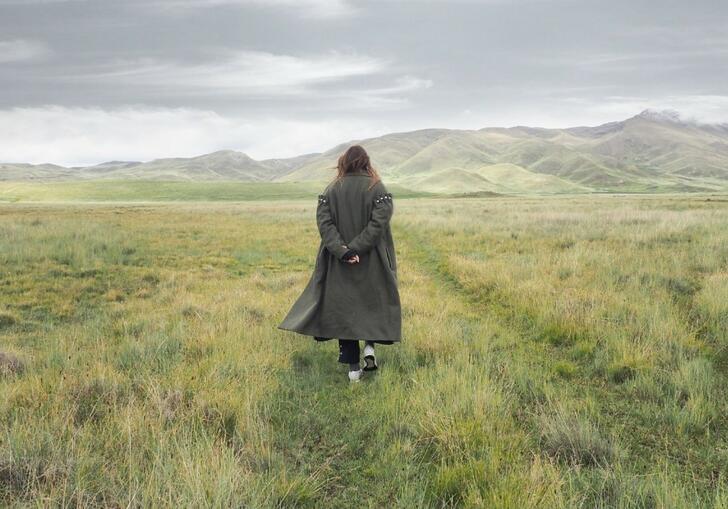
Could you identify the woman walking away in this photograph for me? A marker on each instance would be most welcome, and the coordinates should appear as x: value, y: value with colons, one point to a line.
x: 352, y: 294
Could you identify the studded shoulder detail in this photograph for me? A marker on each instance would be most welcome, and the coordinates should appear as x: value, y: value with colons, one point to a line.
x: 322, y: 199
x: 382, y: 198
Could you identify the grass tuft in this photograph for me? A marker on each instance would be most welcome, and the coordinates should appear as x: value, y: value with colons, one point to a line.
x: 565, y: 369
x: 95, y: 399
x: 10, y: 364
x: 558, y: 335
x: 620, y: 373
x: 570, y: 438
x: 194, y: 312
x: 8, y: 320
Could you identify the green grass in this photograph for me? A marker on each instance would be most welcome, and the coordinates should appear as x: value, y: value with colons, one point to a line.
x: 496, y: 178
x: 150, y: 191
x: 557, y: 352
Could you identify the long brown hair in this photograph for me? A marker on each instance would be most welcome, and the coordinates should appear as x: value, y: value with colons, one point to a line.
x: 355, y: 158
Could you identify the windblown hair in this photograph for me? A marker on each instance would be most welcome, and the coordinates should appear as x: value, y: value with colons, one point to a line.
x: 355, y: 158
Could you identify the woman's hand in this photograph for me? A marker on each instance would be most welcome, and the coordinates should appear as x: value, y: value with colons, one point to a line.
x: 353, y: 259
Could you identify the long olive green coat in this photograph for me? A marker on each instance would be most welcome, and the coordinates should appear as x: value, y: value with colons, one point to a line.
x: 351, y: 301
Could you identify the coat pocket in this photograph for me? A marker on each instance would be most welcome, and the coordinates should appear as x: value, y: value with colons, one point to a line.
x: 389, y: 259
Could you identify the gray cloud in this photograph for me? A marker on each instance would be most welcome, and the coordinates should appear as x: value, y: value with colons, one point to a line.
x: 341, y: 68
x: 236, y: 72
x: 21, y: 50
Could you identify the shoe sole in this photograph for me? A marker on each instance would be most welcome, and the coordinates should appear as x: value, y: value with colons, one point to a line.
x: 371, y: 363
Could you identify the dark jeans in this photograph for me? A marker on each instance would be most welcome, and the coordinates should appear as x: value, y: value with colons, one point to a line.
x: 349, y: 352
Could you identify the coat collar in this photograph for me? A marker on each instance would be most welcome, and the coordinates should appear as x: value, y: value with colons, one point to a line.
x: 356, y: 172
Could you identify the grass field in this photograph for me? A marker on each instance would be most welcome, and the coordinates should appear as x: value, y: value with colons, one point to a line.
x: 151, y: 191
x: 557, y: 352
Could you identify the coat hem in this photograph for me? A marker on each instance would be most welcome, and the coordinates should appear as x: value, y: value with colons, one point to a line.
x: 325, y: 337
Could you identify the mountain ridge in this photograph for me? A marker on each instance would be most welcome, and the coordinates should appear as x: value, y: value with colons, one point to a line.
x: 656, y: 150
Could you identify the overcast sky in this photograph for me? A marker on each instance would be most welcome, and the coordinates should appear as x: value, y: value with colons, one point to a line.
x: 86, y: 81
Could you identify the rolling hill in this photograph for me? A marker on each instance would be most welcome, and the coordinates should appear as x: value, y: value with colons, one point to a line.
x: 221, y: 166
x: 653, y: 151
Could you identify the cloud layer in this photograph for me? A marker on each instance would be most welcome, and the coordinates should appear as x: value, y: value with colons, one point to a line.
x: 83, y: 81
x: 86, y: 136
x: 21, y: 50
x: 237, y: 72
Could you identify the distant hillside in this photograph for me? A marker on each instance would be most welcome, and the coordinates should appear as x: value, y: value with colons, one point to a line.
x: 653, y: 151
x: 225, y: 165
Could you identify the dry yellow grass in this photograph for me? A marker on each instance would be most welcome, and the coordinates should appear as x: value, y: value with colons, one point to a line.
x: 557, y: 352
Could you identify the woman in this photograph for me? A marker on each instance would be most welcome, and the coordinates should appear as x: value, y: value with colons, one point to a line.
x: 352, y: 294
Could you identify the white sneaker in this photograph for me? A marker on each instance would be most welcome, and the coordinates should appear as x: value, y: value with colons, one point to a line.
x: 355, y: 376
x: 369, y: 358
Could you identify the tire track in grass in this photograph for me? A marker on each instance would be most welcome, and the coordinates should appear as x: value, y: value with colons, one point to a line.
x: 332, y: 447
x: 410, y: 435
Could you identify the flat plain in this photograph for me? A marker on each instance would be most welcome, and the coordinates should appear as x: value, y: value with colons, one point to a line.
x: 557, y: 352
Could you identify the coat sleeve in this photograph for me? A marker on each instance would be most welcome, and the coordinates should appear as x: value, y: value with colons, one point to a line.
x: 382, y: 211
x: 329, y: 233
